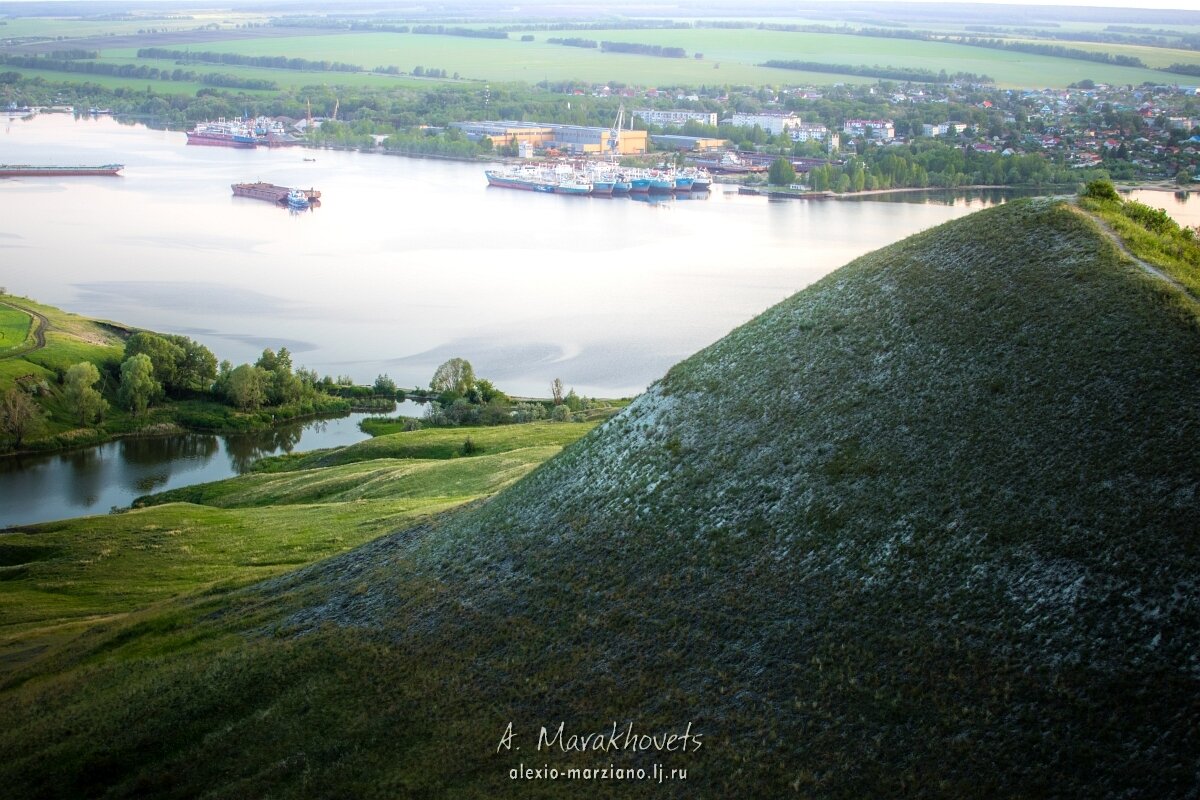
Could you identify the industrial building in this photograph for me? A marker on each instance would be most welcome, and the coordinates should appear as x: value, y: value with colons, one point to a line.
x: 575, y: 139
x: 696, y: 143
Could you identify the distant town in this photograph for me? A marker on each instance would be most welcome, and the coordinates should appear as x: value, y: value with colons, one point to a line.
x: 1148, y: 133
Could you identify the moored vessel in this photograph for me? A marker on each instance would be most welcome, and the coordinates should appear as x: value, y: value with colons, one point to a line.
x: 222, y: 134
x: 701, y: 180
x: 662, y: 183
x: 260, y: 190
x: 36, y: 171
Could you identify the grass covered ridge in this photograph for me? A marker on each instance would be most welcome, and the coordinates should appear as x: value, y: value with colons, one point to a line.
x: 59, y: 578
x: 927, y: 527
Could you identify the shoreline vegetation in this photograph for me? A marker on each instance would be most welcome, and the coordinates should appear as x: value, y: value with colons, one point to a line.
x: 69, y: 382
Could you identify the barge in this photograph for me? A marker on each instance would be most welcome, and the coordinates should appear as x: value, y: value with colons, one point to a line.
x: 32, y: 171
x: 272, y: 193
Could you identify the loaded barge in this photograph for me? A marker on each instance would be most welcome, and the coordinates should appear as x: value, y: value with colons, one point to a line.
x: 272, y: 193
x: 31, y: 171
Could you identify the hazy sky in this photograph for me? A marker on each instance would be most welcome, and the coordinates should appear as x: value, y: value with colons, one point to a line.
x: 1183, y: 5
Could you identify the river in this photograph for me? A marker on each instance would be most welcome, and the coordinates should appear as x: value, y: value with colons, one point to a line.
x: 408, y: 262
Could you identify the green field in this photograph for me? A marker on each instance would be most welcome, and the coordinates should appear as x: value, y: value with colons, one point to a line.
x: 729, y: 57
x: 15, y: 327
x: 70, y: 339
x: 1150, y: 56
x: 112, y: 82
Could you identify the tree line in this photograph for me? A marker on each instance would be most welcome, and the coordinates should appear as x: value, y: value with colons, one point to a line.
x: 643, y: 49
x: 471, y: 33
x: 165, y: 369
x: 573, y: 41
x: 911, y: 74
x: 933, y: 164
x: 271, y: 62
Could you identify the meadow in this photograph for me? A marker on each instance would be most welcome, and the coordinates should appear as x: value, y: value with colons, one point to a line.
x: 59, y: 578
x: 15, y: 327
x: 729, y: 56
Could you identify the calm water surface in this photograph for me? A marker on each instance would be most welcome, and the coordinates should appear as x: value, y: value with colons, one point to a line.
x: 93, y: 480
x: 408, y: 262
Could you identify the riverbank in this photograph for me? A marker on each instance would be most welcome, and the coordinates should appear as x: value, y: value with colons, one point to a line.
x: 43, y: 417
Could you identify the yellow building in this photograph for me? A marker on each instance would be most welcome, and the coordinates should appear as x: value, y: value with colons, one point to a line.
x: 578, y: 139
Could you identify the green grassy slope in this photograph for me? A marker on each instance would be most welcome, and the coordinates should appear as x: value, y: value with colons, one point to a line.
x: 927, y: 527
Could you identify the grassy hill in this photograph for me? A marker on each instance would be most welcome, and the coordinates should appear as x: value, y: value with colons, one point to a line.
x: 927, y: 528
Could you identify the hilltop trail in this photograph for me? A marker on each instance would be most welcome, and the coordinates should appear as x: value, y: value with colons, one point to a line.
x: 40, y: 325
x: 1112, y: 236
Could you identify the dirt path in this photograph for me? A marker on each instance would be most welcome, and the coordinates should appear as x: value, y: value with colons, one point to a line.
x: 1120, y: 243
x: 40, y: 326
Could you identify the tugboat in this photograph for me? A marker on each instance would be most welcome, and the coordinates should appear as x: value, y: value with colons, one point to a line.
x: 297, y: 200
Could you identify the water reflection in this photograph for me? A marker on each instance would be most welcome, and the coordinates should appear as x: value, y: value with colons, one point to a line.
x: 84, y: 473
x: 245, y: 448
x: 36, y: 488
x: 156, y: 450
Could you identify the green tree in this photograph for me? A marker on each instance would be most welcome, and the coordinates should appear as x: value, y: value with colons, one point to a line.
x: 196, y: 369
x: 20, y: 416
x: 455, y: 376
x: 247, y: 386
x: 164, y: 355
x: 138, y: 386
x: 82, y: 398
x: 781, y: 172
x: 384, y: 386
x: 488, y: 393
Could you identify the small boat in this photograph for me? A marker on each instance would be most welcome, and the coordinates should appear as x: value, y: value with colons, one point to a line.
x: 297, y: 199
x: 310, y: 159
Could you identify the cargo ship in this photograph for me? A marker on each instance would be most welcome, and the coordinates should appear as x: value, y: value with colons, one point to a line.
x: 271, y: 133
x: 222, y: 134
x: 272, y: 193
x: 31, y: 171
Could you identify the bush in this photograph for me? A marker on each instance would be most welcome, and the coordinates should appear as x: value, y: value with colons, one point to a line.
x: 1100, y: 190
x: 1155, y: 220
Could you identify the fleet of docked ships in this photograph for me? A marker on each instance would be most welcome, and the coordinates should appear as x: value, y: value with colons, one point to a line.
x: 599, y: 179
